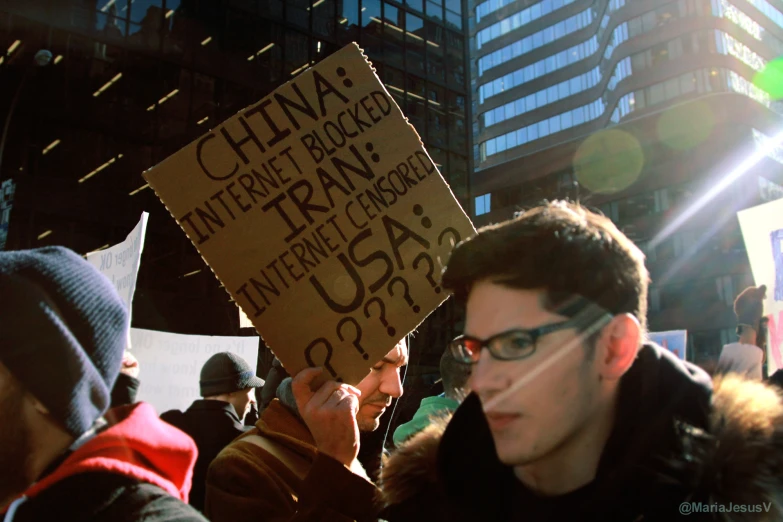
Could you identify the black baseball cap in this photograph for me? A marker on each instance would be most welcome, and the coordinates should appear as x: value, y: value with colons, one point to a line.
x: 226, y: 372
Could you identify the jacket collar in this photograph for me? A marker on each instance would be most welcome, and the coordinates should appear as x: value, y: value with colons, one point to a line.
x: 280, y: 423
x: 213, y: 405
x: 733, y: 456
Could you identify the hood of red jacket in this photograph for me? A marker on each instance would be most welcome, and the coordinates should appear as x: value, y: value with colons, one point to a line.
x: 137, y: 444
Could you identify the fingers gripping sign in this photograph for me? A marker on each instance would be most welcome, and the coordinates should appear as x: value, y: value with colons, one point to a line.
x: 130, y: 366
x: 329, y: 410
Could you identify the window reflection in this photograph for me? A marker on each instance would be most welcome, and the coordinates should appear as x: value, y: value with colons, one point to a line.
x: 435, y: 10
x: 146, y: 19
x: 372, y: 28
x: 394, y: 35
x: 371, y: 10
x: 394, y: 80
x: 348, y: 20
x: 416, y: 113
x: 435, y: 47
x: 296, y: 12
x: 458, y: 175
x: 418, y: 5
x: 455, y: 56
x: 322, y: 12
x: 296, y: 52
x: 436, y: 121
x: 417, y: 86
x: 414, y: 41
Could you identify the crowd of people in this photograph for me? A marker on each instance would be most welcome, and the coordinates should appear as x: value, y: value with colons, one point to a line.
x: 555, y: 405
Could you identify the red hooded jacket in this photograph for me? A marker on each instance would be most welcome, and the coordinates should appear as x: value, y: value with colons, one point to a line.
x: 138, y: 449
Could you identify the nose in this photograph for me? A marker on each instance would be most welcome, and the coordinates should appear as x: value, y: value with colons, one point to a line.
x: 486, y: 378
x: 390, y: 382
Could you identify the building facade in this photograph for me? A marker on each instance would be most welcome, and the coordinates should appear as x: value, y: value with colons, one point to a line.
x: 638, y: 108
x: 130, y: 82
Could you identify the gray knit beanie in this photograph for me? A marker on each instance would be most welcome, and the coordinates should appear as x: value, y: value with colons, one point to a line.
x: 63, y: 331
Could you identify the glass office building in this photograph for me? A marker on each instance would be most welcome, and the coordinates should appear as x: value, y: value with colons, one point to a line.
x: 675, y: 80
x: 130, y: 82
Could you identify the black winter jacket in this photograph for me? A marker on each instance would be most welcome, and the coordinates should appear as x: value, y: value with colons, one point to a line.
x: 212, y: 425
x: 676, y: 440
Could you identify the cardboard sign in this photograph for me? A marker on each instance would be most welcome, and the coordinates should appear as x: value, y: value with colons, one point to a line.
x: 762, y: 230
x: 322, y: 215
x: 120, y: 263
x: 170, y: 364
x: 676, y: 341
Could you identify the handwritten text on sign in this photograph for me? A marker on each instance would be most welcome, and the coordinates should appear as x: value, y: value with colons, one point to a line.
x: 322, y: 214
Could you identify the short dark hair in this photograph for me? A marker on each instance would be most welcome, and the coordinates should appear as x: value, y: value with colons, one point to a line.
x: 562, y: 248
x: 454, y: 374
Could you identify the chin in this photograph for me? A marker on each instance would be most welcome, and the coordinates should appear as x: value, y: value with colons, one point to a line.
x: 510, y: 454
x: 368, y: 424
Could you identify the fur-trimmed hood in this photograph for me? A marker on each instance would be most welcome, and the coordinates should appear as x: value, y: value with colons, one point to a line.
x: 680, y: 440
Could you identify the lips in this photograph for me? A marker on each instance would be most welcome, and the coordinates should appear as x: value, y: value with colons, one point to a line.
x: 498, y: 421
x: 380, y: 407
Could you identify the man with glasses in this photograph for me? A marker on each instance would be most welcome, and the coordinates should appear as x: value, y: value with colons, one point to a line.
x: 573, y: 416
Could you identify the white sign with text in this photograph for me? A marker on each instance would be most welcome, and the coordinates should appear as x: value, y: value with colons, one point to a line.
x: 120, y: 263
x: 170, y: 364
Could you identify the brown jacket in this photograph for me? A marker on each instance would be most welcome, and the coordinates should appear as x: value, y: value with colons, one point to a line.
x: 275, y: 473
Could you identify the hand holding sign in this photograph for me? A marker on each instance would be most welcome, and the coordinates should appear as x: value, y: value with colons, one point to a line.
x: 130, y: 366
x: 330, y: 414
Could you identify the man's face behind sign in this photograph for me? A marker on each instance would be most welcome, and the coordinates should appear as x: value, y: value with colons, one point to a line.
x: 380, y: 386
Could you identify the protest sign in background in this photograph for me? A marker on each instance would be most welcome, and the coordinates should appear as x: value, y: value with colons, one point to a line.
x: 322, y: 215
x: 676, y: 341
x: 762, y: 230
x: 170, y: 364
x: 244, y: 320
x: 120, y: 263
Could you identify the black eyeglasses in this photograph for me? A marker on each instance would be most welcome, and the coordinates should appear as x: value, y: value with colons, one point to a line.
x: 511, y: 345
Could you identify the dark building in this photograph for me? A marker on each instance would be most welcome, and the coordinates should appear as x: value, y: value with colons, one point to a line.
x: 130, y: 82
x: 640, y: 108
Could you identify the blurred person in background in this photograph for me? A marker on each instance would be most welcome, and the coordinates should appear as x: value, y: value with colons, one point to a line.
x: 746, y: 356
x: 454, y: 375
x: 63, y: 332
x: 227, y: 383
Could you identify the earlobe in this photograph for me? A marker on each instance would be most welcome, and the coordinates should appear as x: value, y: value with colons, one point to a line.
x: 38, y: 405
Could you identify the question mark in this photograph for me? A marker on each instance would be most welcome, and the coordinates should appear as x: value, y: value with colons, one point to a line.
x: 426, y: 257
x: 358, y: 338
x: 453, y: 232
x: 406, y: 293
x: 390, y: 330
x: 309, y: 357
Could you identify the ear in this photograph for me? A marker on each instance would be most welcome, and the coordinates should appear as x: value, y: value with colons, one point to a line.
x: 38, y: 405
x: 621, y: 338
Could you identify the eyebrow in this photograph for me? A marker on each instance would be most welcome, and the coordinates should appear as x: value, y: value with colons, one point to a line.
x: 401, y: 361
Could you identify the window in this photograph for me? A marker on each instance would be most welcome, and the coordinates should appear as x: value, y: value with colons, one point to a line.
x: 483, y: 204
x: 672, y: 88
x: 435, y: 10
x: 656, y: 94
x: 414, y: 43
